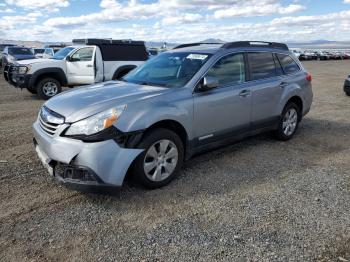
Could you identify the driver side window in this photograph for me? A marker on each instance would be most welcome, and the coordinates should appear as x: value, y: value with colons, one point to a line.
x: 84, y: 54
x: 229, y: 70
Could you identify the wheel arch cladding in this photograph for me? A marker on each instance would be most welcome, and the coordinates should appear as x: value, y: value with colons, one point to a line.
x: 171, y: 125
x: 56, y: 73
x: 298, y: 101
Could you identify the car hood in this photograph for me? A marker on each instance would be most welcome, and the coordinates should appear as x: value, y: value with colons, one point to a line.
x: 86, y: 101
x: 36, y: 61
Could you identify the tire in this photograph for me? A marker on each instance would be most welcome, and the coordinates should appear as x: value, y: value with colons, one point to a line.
x: 32, y: 90
x: 289, y: 122
x: 347, y: 93
x: 48, y: 87
x: 152, y: 172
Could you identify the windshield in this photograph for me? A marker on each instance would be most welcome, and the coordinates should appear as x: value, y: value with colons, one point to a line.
x: 20, y: 51
x: 60, y: 55
x: 168, y: 69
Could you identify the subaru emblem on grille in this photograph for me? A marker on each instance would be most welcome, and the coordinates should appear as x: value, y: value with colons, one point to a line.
x: 50, y: 117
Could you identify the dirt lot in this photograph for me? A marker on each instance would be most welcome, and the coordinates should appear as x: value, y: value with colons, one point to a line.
x: 259, y: 199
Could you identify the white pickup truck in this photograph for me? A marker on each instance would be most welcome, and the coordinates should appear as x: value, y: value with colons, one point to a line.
x: 88, y: 61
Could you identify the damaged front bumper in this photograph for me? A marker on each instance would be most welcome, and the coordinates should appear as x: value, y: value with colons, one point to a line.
x: 73, y: 161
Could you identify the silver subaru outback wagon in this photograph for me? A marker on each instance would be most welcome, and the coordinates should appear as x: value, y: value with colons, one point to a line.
x: 190, y: 99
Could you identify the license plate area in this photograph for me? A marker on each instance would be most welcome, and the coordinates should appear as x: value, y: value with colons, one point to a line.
x: 44, y: 158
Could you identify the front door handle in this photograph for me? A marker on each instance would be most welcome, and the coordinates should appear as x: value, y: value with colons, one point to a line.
x: 244, y: 93
x: 283, y: 84
x: 89, y: 66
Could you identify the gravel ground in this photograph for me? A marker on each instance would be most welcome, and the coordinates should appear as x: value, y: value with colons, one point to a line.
x: 256, y: 200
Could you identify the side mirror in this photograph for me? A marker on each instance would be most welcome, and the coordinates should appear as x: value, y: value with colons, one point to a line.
x: 72, y: 59
x: 208, y: 82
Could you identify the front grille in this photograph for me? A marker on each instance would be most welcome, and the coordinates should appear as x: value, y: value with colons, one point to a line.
x: 47, y: 127
x: 49, y: 120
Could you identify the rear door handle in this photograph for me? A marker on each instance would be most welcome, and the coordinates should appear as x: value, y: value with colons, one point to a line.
x: 244, y: 93
x: 89, y: 66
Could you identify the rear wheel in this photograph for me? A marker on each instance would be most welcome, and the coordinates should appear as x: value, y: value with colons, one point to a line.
x: 289, y: 122
x: 48, y: 87
x: 161, y: 160
x: 347, y: 93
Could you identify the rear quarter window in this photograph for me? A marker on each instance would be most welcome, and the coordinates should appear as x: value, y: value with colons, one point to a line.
x: 288, y: 64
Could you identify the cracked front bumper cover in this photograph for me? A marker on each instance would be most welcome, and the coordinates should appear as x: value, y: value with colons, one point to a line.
x: 105, y: 161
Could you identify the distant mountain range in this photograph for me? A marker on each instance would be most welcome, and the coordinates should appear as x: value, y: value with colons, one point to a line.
x: 316, y: 44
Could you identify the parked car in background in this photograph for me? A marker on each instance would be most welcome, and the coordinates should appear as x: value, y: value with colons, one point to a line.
x: 52, y: 49
x: 306, y: 56
x: 38, y: 52
x: 322, y: 55
x: 89, y: 61
x: 12, y: 54
x: 296, y: 53
x: 2, y: 47
x: 337, y: 55
x: 346, y: 56
x: 180, y: 103
x: 49, y: 52
x: 347, y: 86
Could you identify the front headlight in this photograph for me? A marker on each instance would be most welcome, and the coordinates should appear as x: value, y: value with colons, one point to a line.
x: 96, y: 123
x: 23, y: 70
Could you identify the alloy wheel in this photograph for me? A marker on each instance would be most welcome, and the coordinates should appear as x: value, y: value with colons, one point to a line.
x: 160, y: 160
x: 290, y: 121
x: 50, y: 88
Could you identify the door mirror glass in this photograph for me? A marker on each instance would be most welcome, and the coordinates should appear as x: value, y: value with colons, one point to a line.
x: 209, y: 82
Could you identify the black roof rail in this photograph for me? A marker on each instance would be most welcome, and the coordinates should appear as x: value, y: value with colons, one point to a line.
x: 255, y: 44
x: 195, y: 44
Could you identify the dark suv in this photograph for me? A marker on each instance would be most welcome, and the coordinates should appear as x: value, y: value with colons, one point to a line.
x: 16, y: 53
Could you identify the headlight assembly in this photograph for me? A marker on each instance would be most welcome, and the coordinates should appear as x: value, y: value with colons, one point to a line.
x: 96, y: 123
x: 22, y: 70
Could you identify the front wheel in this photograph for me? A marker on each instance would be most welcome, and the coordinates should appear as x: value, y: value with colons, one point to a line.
x: 347, y: 93
x: 161, y: 160
x: 48, y: 87
x: 289, y: 122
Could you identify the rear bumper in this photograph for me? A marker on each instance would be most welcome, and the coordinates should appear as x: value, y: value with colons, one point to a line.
x: 77, y: 162
x: 347, y: 86
x: 15, y: 79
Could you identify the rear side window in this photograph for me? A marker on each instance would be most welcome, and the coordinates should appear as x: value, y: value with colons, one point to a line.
x: 229, y: 70
x: 262, y: 65
x: 288, y: 64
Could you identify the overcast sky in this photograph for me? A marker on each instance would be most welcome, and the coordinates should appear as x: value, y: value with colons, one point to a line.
x: 175, y: 20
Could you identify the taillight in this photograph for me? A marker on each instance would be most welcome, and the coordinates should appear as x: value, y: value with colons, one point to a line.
x: 309, y: 77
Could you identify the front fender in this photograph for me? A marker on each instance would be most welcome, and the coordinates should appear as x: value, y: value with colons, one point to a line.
x: 143, y: 119
x: 50, y: 70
